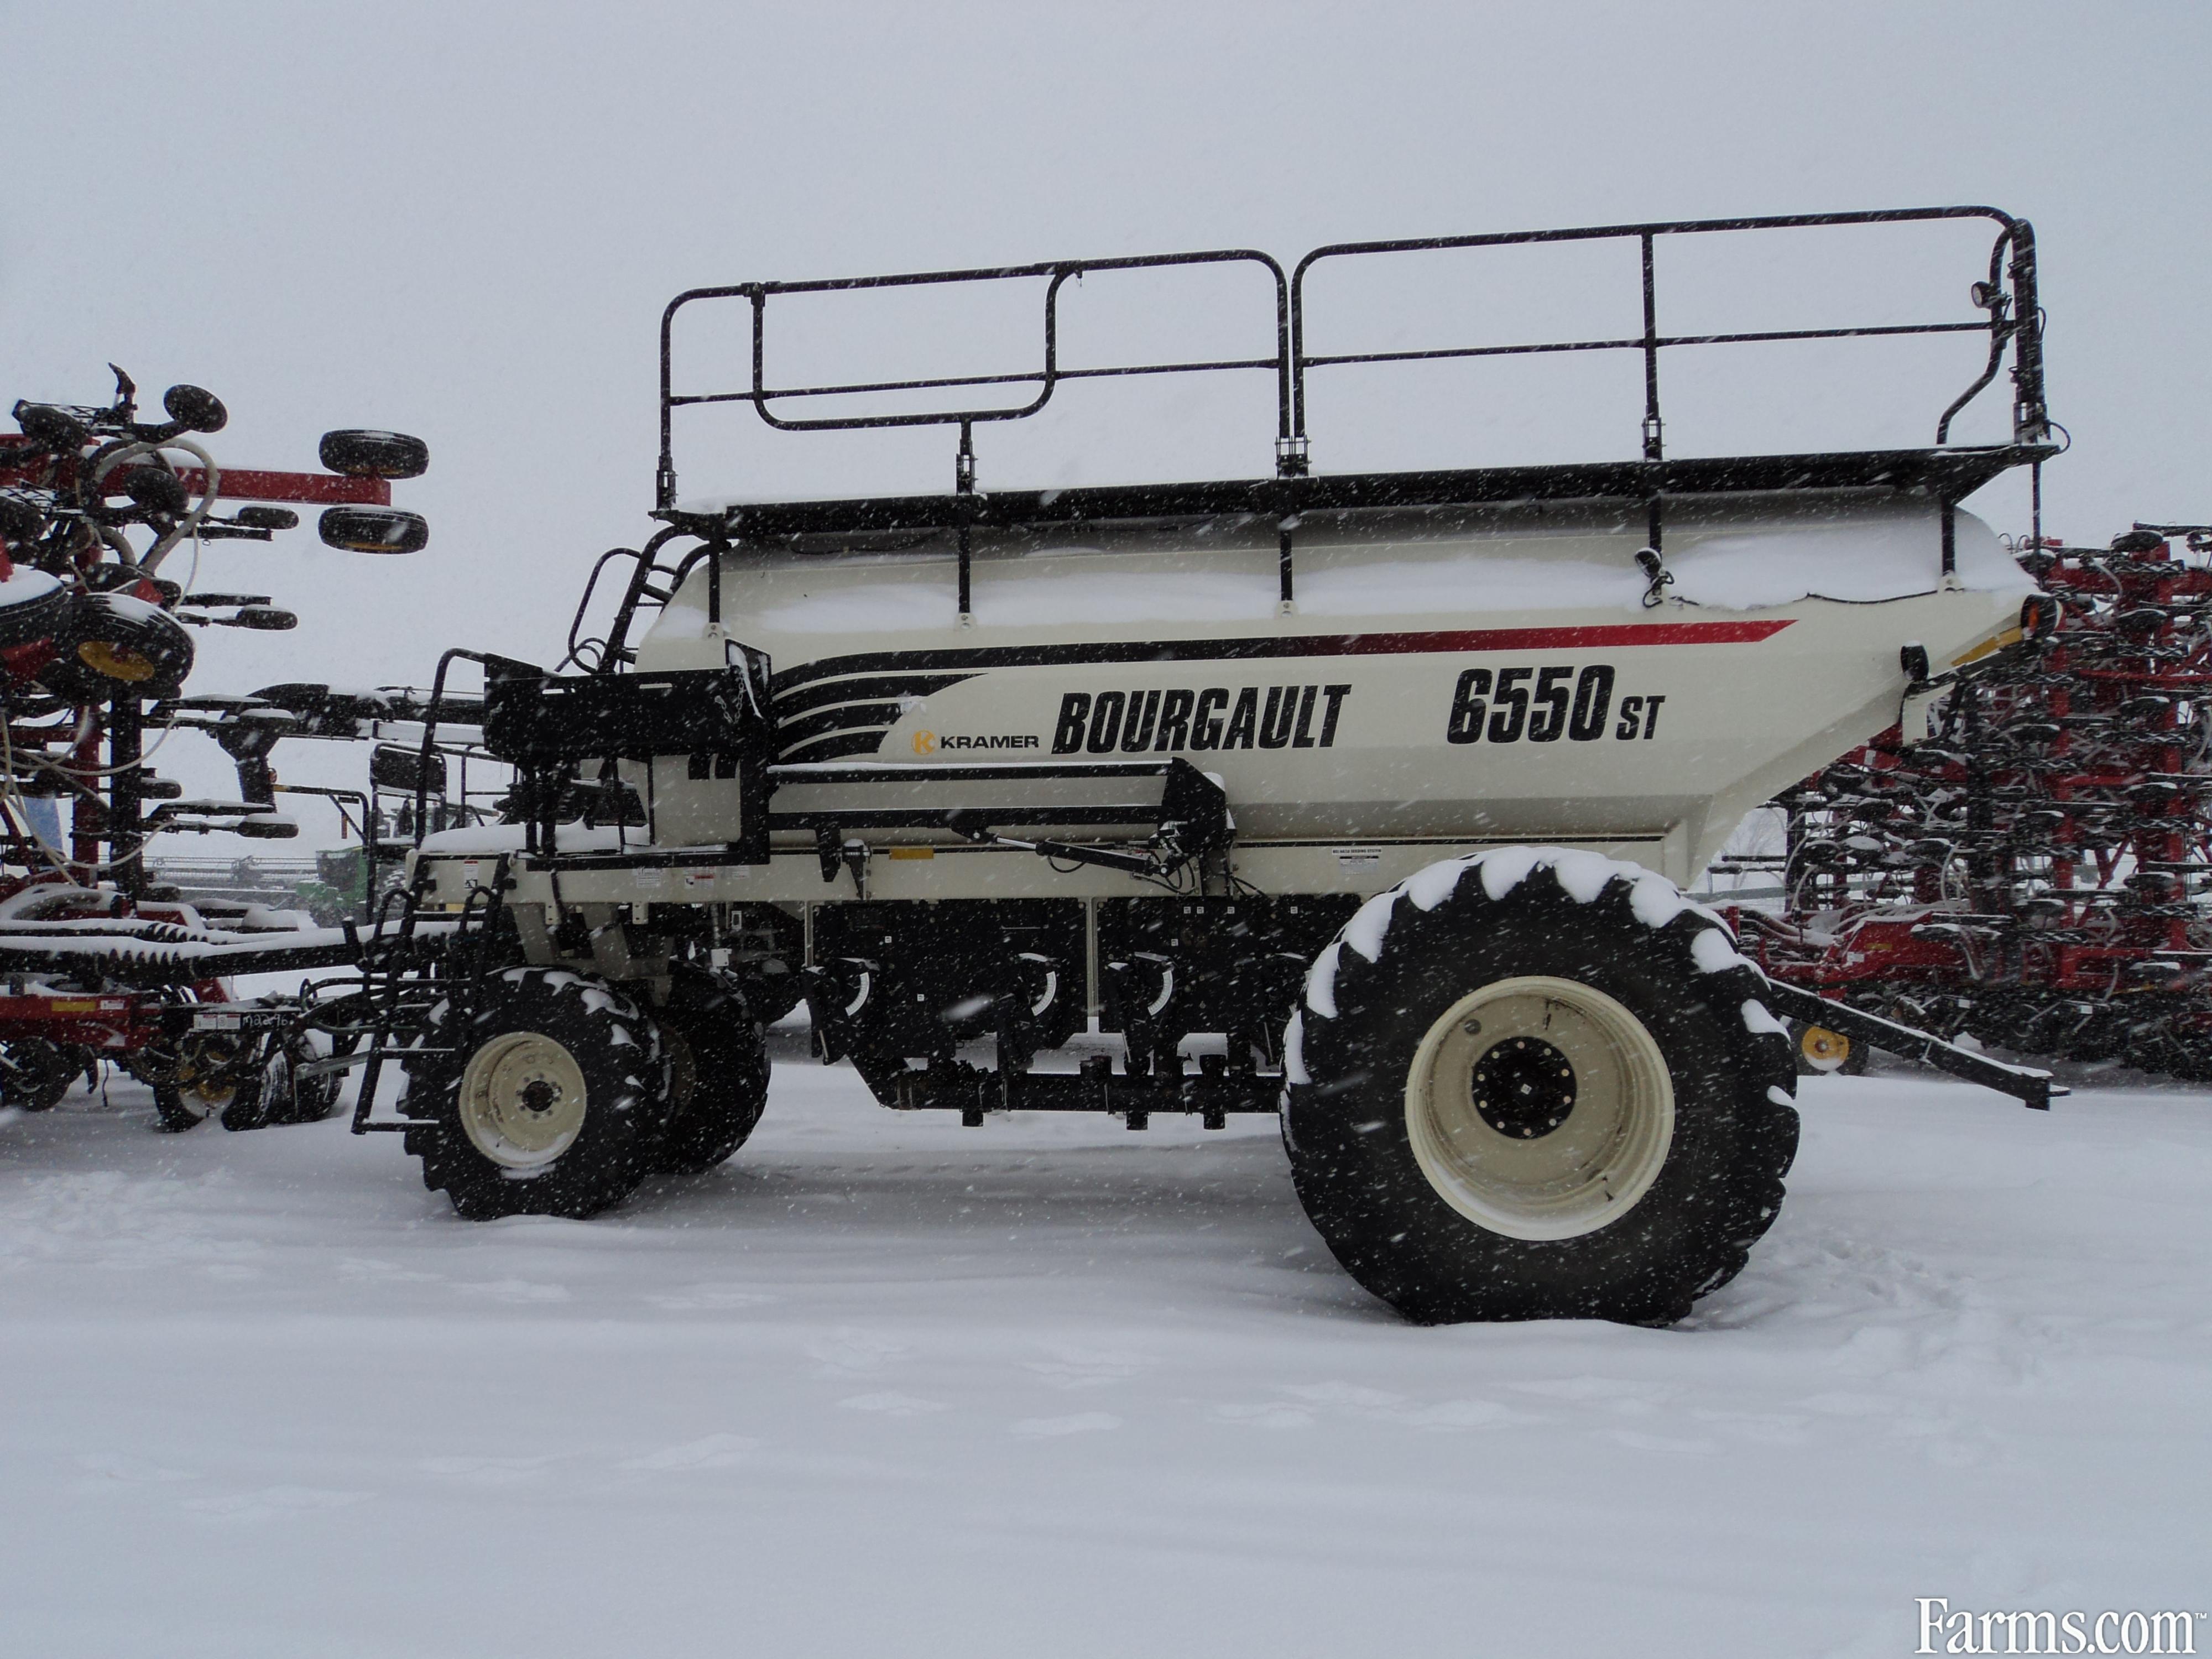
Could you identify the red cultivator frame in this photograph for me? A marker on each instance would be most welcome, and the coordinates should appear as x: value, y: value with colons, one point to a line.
x: 2034, y: 872
x: 95, y: 648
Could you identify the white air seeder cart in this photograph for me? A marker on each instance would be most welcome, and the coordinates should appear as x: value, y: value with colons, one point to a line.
x: 1367, y: 797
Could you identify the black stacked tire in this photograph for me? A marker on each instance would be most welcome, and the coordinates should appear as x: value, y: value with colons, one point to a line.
x: 281, y: 1092
x: 554, y: 1102
x: 117, y: 645
x: 33, y: 605
x: 174, y: 1111
x: 718, y: 1071
x: 293, y: 1097
x: 194, y: 1078
x: 36, y: 1074
x: 1511, y: 1100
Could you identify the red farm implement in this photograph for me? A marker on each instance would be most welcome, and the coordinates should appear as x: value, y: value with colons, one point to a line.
x: 2032, y: 872
x: 100, y: 964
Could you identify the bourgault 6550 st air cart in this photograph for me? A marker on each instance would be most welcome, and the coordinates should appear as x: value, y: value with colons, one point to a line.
x: 1387, y: 781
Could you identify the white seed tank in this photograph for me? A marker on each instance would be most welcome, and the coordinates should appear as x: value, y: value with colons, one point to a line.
x: 1473, y: 676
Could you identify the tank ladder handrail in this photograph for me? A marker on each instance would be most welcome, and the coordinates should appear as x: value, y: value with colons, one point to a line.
x: 391, y: 958
x: 608, y: 655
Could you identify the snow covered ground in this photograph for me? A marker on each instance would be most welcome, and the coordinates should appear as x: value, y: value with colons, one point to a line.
x: 886, y: 1385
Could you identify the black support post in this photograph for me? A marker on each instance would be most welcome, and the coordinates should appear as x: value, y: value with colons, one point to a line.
x: 126, y: 832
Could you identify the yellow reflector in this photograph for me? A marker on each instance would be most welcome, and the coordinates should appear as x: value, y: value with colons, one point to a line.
x: 1824, y: 1051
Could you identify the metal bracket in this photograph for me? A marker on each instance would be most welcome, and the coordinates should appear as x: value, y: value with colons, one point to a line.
x: 2031, y: 1087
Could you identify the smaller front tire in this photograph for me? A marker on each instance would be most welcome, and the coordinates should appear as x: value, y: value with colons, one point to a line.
x: 1824, y: 1053
x: 554, y: 1103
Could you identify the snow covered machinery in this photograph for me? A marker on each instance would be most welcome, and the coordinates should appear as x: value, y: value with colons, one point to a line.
x: 1365, y: 796
x: 98, y: 961
x: 2027, y: 864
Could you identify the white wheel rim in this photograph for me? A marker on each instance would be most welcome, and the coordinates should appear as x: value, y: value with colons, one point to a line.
x: 1533, y: 1163
x: 522, y: 1100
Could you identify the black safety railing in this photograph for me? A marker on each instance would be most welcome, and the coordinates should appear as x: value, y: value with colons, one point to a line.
x: 1046, y: 377
x: 2007, y: 299
x: 2011, y: 316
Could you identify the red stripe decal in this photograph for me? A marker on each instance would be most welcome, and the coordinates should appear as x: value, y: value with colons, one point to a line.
x: 1269, y: 647
x: 1589, y: 636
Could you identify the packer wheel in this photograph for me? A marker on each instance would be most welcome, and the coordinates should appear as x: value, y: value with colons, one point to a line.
x: 33, y: 605
x: 193, y: 1080
x: 279, y: 1093
x: 35, y: 1073
x: 1538, y: 1084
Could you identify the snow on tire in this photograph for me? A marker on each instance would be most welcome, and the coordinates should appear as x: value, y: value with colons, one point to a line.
x: 1537, y: 1083
x: 553, y: 1104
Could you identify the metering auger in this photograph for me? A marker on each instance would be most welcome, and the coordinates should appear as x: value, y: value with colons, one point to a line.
x: 1367, y: 797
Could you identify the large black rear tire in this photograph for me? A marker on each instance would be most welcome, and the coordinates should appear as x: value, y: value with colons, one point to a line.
x: 718, y: 1071
x: 1538, y: 1084
x: 553, y: 1103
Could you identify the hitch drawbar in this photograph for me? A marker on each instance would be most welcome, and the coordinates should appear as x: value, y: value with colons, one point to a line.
x: 2029, y: 1086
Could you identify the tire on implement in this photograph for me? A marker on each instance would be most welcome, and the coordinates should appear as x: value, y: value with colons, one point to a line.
x: 1538, y: 1084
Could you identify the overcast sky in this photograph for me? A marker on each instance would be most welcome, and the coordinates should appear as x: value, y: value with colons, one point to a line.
x: 462, y: 220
